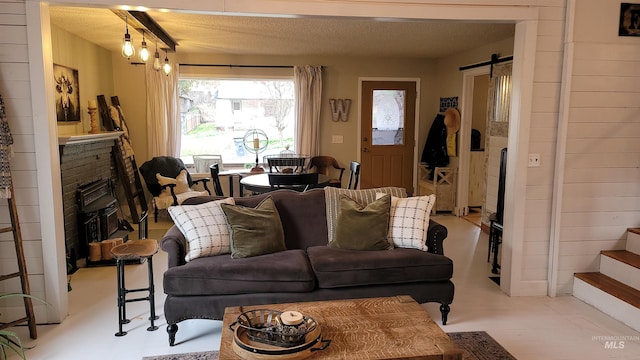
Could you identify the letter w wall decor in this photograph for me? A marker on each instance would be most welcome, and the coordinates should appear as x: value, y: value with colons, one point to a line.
x: 340, y: 109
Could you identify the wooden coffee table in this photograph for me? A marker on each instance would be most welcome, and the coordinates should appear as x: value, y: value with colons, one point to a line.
x: 376, y: 328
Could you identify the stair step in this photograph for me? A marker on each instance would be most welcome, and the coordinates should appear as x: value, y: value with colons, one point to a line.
x: 633, y: 240
x: 621, y: 265
x: 634, y: 230
x: 624, y: 256
x: 611, y: 286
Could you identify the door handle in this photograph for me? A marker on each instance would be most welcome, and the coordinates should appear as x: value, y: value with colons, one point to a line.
x: 365, y: 150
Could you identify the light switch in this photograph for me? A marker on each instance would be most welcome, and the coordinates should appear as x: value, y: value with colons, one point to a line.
x: 336, y: 139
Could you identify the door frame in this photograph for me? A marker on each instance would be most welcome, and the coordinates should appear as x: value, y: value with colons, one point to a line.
x: 466, y: 113
x: 416, y: 125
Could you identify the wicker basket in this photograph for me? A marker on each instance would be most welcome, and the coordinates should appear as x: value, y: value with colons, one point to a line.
x: 265, y: 326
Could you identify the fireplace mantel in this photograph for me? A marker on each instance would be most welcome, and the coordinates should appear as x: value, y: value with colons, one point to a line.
x: 88, y: 138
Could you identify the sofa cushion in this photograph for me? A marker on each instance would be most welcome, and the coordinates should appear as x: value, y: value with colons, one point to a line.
x: 363, y: 197
x: 288, y: 271
x: 336, y: 268
x: 254, y: 231
x: 361, y: 227
x: 409, y: 221
x: 204, y: 226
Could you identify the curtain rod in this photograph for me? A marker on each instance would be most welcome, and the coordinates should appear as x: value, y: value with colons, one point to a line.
x: 494, y: 60
x: 241, y: 66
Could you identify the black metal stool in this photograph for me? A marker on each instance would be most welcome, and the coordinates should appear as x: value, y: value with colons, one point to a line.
x: 134, y: 250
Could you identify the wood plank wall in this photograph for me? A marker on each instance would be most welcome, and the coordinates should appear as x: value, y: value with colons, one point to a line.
x: 16, y: 92
x: 602, y: 169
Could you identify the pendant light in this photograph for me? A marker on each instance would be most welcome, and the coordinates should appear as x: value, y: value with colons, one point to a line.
x: 144, y: 52
x: 128, y: 50
x: 166, y: 67
x: 156, y: 59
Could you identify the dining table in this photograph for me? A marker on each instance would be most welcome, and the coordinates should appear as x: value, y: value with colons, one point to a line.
x: 259, y: 183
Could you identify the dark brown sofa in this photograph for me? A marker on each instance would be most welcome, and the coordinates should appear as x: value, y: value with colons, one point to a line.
x: 307, y: 271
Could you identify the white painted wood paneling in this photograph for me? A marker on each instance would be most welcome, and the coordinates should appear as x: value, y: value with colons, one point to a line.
x: 16, y: 92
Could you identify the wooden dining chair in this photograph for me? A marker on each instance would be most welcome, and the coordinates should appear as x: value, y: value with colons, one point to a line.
x: 296, y: 181
x: 495, y: 227
x: 286, y: 164
x: 329, y: 166
x: 354, y: 175
x: 215, y: 179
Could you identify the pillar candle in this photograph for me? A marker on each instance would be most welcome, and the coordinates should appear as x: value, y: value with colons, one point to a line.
x: 256, y: 143
x: 291, y: 317
x: 92, y: 104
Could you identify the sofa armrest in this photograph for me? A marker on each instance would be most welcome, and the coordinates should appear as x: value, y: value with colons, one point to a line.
x: 175, y: 245
x: 435, y: 236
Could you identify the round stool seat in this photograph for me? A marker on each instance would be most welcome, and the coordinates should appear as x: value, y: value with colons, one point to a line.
x: 135, y: 249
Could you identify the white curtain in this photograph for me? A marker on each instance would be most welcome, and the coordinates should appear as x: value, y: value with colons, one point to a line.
x: 163, y: 113
x: 308, y: 88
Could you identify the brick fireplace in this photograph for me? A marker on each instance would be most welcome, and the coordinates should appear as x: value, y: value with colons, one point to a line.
x: 84, y: 159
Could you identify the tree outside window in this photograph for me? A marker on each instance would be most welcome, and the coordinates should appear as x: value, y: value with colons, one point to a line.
x: 217, y: 113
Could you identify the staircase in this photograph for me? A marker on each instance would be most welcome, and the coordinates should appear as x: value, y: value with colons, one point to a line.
x: 615, y: 290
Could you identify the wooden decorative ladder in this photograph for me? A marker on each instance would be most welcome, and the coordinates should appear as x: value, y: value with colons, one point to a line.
x: 131, y: 183
x: 22, y: 270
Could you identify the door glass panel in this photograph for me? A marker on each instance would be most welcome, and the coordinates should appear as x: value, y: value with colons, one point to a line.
x: 502, y: 97
x: 388, y: 117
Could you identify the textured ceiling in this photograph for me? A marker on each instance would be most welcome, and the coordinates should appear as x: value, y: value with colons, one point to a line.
x: 333, y: 36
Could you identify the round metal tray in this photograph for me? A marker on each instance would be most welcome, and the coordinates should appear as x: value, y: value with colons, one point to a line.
x: 249, y: 349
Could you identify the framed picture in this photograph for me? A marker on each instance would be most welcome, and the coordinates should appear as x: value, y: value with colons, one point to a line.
x: 67, y: 93
x: 629, y: 20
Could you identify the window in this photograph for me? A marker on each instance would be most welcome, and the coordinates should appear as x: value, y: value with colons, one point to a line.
x: 216, y: 114
x: 502, y: 96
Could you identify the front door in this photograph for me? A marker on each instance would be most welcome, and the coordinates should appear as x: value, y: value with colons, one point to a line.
x: 387, y: 139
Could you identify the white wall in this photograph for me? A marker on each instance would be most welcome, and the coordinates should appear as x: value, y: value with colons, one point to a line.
x: 601, y: 196
x: 95, y: 74
x: 16, y: 92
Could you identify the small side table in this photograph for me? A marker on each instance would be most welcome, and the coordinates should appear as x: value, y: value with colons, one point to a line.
x: 134, y: 250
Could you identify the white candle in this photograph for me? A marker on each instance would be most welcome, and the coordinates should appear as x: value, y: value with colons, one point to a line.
x: 92, y: 104
x: 291, y: 318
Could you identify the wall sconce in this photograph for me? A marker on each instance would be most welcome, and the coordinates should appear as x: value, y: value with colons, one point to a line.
x: 144, y: 52
x: 128, y: 50
x: 340, y: 109
x: 166, y: 67
x: 156, y: 59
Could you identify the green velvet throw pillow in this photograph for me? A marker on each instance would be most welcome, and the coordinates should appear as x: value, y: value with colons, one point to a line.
x: 362, y: 227
x: 254, y: 231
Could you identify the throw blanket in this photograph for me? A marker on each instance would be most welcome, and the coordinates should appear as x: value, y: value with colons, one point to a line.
x: 6, y: 152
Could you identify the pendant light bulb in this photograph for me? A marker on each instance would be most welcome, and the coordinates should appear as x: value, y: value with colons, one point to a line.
x: 128, y: 50
x: 156, y: 59
x: 144, y: 52
x: 166, y: 67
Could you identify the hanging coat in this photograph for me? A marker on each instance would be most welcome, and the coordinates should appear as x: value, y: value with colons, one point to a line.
x: 434, y: 153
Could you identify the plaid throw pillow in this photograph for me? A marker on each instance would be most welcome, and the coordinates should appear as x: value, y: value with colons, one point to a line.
x: 409, y: 221
x: 362, y: 197
x: 205, y: 228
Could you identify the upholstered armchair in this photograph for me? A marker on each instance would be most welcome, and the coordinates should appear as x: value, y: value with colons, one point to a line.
x: 169, y: 182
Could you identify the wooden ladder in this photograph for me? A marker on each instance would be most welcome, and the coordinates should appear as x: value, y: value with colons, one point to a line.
x: 130, y: 179
x: 22, y: 270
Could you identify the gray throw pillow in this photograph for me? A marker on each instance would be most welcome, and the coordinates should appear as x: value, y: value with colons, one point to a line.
x: 362, y: 227
x: 254, y: 231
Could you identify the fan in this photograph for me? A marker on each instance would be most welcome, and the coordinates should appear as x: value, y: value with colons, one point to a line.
x: 255, y: 141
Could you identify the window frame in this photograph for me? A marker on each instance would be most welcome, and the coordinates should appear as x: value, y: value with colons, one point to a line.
x: 251, y: 74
